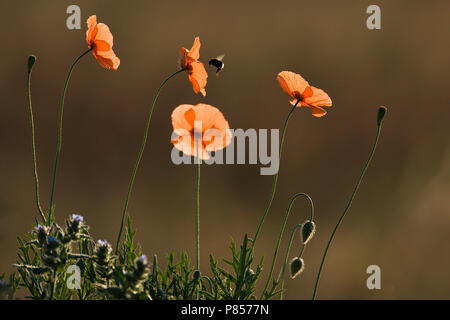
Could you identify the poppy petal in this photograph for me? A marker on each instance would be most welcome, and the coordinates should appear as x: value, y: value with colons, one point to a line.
x: 292, y: 83
x: 319, y: 98
x: 217, y: 139
x: 318, y: 111
x: 178, y: 117
x: 101, y: 45
x: 214, y: 127
x: 189, y: 115
x: 198, y: 77
x: 100, y: 40
x: 108, y: 59
x: 284, y: 84
x: 183, y: 57
x: 187, y: 145
x: 307, y: 93
x: 104, y: 34
x: 194, y: 53
x: 209, y: 116
x: 91, y: 32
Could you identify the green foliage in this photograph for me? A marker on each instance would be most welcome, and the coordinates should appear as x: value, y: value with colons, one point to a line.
x: 46, y: 253
x: 240, y: 283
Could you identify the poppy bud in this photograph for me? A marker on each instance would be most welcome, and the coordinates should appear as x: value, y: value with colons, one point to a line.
x: 381, y: 113
x: 196, y: 274
x: 296, y: 266
x: 308, y: 230
x: 31, y: 61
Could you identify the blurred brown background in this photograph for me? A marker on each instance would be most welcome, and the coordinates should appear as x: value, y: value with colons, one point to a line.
x: 400, y: 218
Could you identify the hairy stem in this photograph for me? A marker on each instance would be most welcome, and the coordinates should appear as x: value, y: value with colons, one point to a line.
x: 286, y: 257
x: 31, y: 61
x: 197, y: 223
x: 60, y: 128
x: 283, y: 226
x: 197, y: 218
x: 141, y: 151
x: 275, y: 177
x: 346, y: 209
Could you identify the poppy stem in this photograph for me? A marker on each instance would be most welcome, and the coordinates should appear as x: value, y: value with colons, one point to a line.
x: 197, y: 217
x: 281, y: 277
x: 280, y: 235
x: 346, y: 209
x: 141, y: 151
x: 275, y: 177
x: 60, y: 127
x: 198, y: 139
x: 31, y: 61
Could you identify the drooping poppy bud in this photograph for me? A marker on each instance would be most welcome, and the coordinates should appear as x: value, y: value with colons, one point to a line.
x: 308, y: 230
x: 31, y: 62
x: 381, y: 113
x: 296, y: 267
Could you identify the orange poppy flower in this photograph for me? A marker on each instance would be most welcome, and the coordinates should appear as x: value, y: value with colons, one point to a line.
x: 198, y: 129
x: 308, y: 96
x: 100, y: 40
x: 196, y: 71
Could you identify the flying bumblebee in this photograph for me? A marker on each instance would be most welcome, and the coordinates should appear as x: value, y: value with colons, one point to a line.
x: 217, y: 62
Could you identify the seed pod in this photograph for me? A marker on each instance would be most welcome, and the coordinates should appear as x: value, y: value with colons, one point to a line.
x: 308, y: 230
